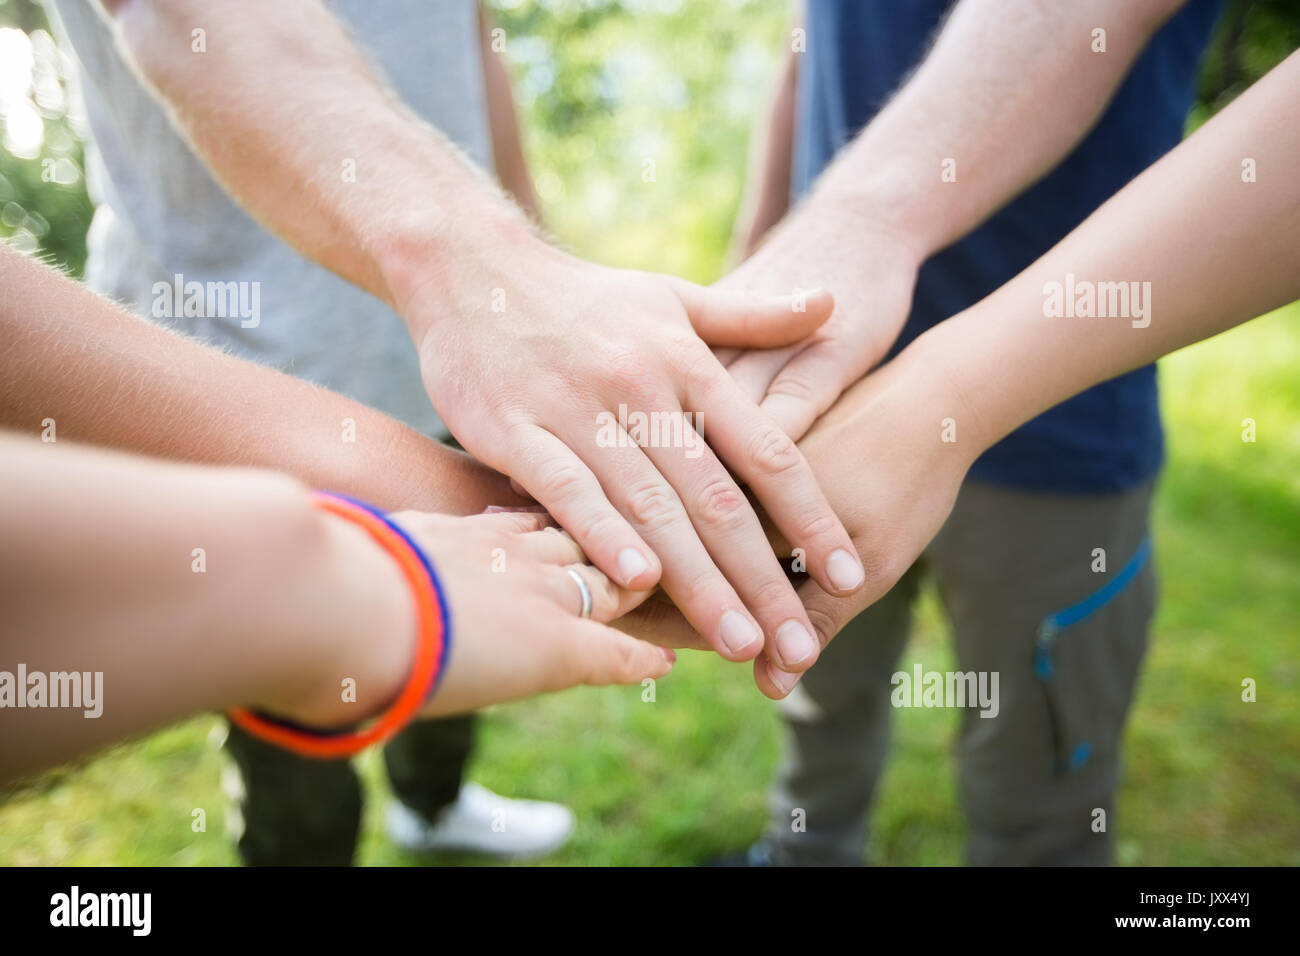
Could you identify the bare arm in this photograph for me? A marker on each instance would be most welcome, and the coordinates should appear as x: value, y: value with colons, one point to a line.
x: 277, y: 101
x: 97, y: 576
x: 106, y: 377
x: 1197, y: 245
x: 1008, y: 90
x: 768, y: 198
x: 524, y: 349
x: 1010, y: 87
x: 1216, y: 251
x: 100, y: 579
x: 503, y: 119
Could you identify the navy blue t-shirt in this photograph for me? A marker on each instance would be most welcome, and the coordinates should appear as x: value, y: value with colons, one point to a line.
x: 859, y: 52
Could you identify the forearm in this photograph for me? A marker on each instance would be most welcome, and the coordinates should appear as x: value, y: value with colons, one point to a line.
x: 106, y: 377
x: 1215, y: 250
x: 1008, y: 89
x: 189, y: 589
x: 1198, y: 248
x: 291, y: 119
x: 503, y: 120
x: 770, y: 167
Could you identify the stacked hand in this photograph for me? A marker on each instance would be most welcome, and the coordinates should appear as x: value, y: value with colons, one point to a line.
x: 891, y: 423
x: 872, y: 272
x: 532, y: 386
x: 518, y: 625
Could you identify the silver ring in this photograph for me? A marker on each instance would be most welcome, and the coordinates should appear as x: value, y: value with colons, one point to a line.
x: 584, y: 590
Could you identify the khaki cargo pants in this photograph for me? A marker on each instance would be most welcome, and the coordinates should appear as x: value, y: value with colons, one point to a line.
x: 1015, y: 574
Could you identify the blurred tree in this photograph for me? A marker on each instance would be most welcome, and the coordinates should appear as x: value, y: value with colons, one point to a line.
x: 1253, y: 37
x: 43, y: 204
x: 636, y: 118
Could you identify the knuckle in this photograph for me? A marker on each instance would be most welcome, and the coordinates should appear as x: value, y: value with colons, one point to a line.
x: 721, y: 506
x: 561, y: 481
x: 703, y: 594
x: 654, y: 506
x: 774, y: 453
x: 627, y: 371
x: 699, y: 367
x: 791, y: 385
x: 625, y: 662
x: 604, y: 525
x: 817, y: 525
x: 772, y: 592
x: 604, y: 597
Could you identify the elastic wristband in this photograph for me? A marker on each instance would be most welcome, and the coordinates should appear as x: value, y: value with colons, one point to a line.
x: 433, y: 642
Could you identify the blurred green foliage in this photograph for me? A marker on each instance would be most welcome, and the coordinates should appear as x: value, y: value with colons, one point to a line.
x: 636, y: 117
x: 1253, y: 37
x: 43, y: 202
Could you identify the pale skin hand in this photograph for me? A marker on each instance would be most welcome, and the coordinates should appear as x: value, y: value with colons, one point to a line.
x: 98, y: 574
x: 1002, y: 71
x: 1217, y: 251
x: 520, y: 388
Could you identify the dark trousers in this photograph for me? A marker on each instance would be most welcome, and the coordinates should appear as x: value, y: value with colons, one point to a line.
x: 303, y: 812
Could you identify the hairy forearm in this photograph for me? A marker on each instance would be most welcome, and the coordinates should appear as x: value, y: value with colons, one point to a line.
x: 288, y: 115
x: 1198, y: 246
x: 188, y: 589
x: 1008, y: 89
x: 103, y: 376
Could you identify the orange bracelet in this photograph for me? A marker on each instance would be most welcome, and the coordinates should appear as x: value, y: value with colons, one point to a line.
x: 431, y: 648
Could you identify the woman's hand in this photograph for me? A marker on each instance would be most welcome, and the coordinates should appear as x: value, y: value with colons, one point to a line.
x: 891, y: 456
x: 515, y: 611
x: 543, y: 366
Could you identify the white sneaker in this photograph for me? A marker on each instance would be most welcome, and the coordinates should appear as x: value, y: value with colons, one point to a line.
x: 481, y: 821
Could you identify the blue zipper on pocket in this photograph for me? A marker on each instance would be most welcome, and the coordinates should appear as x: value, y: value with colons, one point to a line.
x: 1050, y: 629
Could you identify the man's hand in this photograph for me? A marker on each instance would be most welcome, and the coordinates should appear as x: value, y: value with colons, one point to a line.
x: 872, y: 271
x: 521, y: 386
x: 543, y: 367
x: 882, y: 208
x: 882, y: 457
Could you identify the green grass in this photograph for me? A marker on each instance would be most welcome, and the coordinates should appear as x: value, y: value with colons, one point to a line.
x: 1210, y: 779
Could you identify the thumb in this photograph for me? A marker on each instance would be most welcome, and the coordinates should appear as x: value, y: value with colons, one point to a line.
x: 809, y: 384
x: 731, y: 319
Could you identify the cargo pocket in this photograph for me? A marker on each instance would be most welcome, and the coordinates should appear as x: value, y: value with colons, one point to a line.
x: 1086, y: 687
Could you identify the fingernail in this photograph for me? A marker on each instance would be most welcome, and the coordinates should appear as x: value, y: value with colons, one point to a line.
x: 739, y: 633
x: 783, y: 681
x: 845, y: 571
x: 794, y: 643
x: 631, y: 564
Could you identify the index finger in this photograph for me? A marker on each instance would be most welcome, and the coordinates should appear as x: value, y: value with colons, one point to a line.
x: 768, y: 460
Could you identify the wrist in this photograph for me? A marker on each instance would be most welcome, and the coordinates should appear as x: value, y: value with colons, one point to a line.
x: 939, y: 378
x: 433, y: 265
x: 890, y: 196
x: 354, y: 633
x: 866, y: 260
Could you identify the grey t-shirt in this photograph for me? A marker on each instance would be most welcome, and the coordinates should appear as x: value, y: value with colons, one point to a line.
x: 162, y: 215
